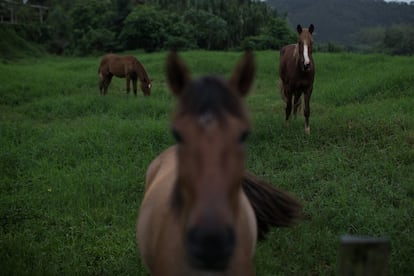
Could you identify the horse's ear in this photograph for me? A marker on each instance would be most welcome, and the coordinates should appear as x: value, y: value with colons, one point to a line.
x: 243, y: 75
x: 177, y: 73
x: 311, y: 28
x: 299, y: 28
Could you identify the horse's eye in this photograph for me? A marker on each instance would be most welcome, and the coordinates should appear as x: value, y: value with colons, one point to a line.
x: 177, y: 136
x: 244, y: 136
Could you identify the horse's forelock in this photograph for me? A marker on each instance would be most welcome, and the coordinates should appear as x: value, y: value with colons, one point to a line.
x: 210, y: 95
x: 306, y: 37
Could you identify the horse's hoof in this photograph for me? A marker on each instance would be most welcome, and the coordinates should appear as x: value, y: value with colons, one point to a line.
x: 307, y: 130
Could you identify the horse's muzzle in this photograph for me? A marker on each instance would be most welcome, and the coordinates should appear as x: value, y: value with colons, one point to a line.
x: 210, y: 248
x: 306, y: 67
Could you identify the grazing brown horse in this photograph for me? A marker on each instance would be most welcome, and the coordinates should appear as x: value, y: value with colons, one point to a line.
x: 123, y: 67
x: 202, y: 212
x: 296, y: 72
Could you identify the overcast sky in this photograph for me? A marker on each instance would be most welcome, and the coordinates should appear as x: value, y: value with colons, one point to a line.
x: 407, y: 1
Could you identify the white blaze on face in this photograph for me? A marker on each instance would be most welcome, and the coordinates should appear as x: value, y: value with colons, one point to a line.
x: 306, y: 54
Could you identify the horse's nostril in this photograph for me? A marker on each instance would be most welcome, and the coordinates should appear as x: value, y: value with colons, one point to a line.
x: 210, y: 248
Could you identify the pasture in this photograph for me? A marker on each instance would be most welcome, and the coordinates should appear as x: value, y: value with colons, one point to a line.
x: 72, y: 163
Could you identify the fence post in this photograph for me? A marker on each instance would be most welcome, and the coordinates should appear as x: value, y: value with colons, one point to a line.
x: 363, y: 256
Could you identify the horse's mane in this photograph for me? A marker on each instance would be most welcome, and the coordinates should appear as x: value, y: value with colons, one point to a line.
x: 141, y: 69
x: 296, y: 52
x: 210, y: 95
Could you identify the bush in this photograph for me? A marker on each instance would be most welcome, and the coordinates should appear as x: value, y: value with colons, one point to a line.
x: 94, y: 41
x: 330, y: 47
x: 399, y: 40
x: 179, y: 43
x: 260, y: 42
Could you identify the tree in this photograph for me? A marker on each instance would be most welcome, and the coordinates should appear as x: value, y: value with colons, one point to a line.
x: 145, y: 27
x: 59, y: 30
x: 91, y: 27
x: 274, y: 35
x: 209, y: 30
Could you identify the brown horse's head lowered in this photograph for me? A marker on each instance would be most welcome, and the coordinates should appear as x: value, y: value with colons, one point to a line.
x: 202, y: 212
x: 127, y: 67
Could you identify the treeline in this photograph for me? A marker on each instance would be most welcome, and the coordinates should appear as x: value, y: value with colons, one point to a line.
x: 356, y: 25
x: 94, y: 26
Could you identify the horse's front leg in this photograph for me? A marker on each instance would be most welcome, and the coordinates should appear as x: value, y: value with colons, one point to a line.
x: 297, y: 105
x: 306, y: 112
x: 103, y: 79
x: 134, y: 86
x: 104, y: 82
x: 128, y: 81
x: 101, y: 87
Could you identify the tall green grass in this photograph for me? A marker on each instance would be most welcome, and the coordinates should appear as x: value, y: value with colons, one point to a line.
x: 72, y: 163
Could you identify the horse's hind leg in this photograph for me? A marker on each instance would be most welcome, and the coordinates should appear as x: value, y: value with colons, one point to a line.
x: 288, y: 110
x: 306, y: 112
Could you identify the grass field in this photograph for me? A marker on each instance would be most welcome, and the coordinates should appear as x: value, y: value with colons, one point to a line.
x: 72, y: 163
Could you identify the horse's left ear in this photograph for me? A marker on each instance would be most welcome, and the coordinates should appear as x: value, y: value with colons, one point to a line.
x: 243, y: 74
x: 177, y: 74
x: 299, y: 28
x: 311, y: 28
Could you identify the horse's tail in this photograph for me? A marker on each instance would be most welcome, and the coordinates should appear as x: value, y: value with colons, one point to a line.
x: 272, y: 206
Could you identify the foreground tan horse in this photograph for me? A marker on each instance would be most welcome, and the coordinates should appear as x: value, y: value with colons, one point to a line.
x: 123, y: 67
x: 202, y: 212
x: 297, y: 72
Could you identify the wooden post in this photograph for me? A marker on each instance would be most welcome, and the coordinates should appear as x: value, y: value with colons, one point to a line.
x: 363, y: 256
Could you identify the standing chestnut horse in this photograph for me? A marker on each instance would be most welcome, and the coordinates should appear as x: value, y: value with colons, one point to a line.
x: 296, y: 72
x: 202, y: 212
x: 123, y: 67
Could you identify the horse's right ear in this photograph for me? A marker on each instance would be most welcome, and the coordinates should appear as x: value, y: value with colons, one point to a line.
x: 243, y: 75
x: 177, y: 73
x: 311, y: 28
x: 299, y: 28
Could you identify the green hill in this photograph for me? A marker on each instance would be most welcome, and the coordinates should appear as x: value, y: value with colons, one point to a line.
x: 14, y: 43
x: 339, y: 20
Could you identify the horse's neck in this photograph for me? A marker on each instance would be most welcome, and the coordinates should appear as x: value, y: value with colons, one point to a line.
x: 141, y: 70
x: 296, y: 53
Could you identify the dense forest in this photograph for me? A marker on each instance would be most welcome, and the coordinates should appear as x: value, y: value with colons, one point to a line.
x: 87, y: 27
x: 78, y: 27
x: 356, y: 24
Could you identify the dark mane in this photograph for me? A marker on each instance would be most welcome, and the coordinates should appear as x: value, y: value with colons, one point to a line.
x: 210, y: 94
x: 144, y: 76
